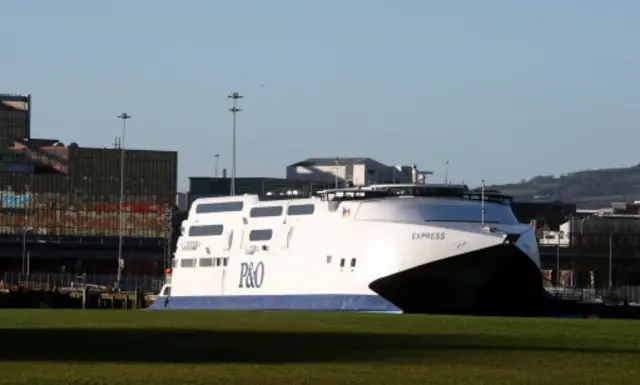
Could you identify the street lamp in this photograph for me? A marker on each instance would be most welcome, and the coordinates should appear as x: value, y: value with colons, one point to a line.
x: 610, y: 261
x: 124, y: 116
x: 446, y: 171
x: 234, y: 110
x: 25, y: 230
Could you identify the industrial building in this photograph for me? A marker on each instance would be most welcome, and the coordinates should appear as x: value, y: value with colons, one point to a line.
x: 595, y: 250
x: 59, y: 203
x: 309, y: 176
x: 543, y: 215
x: 353, y: 171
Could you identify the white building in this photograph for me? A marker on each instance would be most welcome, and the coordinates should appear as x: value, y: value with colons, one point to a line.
x: 358, y: 171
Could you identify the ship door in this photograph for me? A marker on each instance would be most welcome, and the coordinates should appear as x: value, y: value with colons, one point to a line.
x: 223, y: 262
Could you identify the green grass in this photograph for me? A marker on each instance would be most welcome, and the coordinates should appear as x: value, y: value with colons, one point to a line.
x: 147, y: 347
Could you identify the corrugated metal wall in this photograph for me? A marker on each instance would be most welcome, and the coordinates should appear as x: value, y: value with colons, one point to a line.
x: 145, y: 172
x: 86, y: 202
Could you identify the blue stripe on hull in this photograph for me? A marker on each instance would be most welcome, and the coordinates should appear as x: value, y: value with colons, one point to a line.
x: 320, y: 302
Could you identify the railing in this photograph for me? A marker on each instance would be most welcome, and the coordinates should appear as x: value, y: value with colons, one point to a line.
x: 617, y: 295
x: 47, y: 281
x: 88, y: 240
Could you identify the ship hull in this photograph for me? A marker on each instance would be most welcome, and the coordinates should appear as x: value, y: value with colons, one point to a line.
x: 499, y: 280
x: 301, y: 302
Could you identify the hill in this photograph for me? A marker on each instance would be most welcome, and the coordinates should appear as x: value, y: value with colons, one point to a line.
x: 589, y: 189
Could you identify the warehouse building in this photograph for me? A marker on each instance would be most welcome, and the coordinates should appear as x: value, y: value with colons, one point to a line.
x: 62, y: 201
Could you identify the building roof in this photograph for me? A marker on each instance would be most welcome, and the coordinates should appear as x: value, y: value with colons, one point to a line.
x: 14, y: 102
x: 11, y: 106
x: 342, y: 161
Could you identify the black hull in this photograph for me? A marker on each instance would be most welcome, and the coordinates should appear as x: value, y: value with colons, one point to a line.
x: 500, y: 280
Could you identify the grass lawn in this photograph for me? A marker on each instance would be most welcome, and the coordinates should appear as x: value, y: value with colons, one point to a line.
x: 191, y: 347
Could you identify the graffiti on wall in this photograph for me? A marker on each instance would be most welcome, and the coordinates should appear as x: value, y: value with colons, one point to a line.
x: 12, y: 200
x: 133, y: 207
x: 51, y: 215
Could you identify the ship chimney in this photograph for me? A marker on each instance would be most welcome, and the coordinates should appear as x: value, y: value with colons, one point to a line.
x: 414, y: 173
x: 224, y: 173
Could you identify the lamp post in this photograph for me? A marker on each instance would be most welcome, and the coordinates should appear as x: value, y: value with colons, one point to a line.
x: 234, y: 110
x: 446, y: 172
x: 25, y: 230
x: 124, y: 116
x: 610, y: 261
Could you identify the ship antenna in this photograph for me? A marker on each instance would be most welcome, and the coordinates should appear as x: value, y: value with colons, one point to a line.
x: 482, y: 199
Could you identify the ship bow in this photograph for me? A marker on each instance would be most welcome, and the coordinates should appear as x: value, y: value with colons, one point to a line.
x: 498, y: 280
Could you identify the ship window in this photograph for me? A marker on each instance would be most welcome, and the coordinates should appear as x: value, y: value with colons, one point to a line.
x: 261, y: 235
x: 206, y: 262
x: 301, y: 209
x: 188, y: 262
x: 207, y: 208
x: 271, y: 211
x: 225, y: 261
x: 203, y: 230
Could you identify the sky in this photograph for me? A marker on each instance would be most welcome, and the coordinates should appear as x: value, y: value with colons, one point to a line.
x: 503, y: 90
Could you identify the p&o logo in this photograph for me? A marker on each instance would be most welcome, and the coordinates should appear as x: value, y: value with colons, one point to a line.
x: 251, y: 276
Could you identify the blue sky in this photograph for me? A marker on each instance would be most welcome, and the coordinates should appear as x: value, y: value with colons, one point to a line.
x: 504, y: 90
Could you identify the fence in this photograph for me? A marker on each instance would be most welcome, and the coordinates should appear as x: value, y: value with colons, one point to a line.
x: 45, y: 281
x: 617, y: 295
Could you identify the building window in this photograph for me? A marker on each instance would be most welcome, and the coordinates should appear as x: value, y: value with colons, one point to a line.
x: 271, y: 211
x: 208, y: 208
x: 301, y: 209
x: 204, y: 230
x: 260, y: 235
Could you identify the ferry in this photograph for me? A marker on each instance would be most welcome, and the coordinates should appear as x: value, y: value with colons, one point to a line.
x: 399, y: 248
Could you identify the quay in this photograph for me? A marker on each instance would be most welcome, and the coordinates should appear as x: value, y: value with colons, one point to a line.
x: 85, y: 297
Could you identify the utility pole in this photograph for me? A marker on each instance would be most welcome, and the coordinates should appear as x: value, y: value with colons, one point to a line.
x: 234, y: 110
x: 124, y: 116
x: 610, y: 262
x: 560, y: 234
x: 217, y: 156
x: 446, y: 172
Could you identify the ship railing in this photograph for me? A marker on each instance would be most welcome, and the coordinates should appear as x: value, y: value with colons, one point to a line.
x: 435, y: 191
x: 68, y: 281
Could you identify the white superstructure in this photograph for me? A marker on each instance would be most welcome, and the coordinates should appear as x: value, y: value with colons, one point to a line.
x: 410, y: 248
